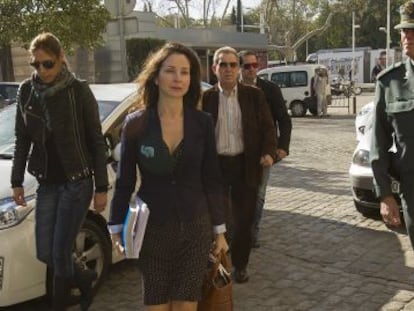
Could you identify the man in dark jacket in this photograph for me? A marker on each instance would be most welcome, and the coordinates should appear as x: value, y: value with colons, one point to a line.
x: 246, y: 142
x: 281, y: 119
x: 380, y: 66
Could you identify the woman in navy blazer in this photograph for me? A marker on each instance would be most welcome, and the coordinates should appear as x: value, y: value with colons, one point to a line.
x: 174, y: 146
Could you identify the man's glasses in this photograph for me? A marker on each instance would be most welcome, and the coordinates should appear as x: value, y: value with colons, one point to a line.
x: 47, y: 64
x: 251, y: 65
x: 228, y: 65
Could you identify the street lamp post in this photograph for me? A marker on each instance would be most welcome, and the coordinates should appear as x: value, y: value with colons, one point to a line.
x: 353, y: 46
x: 176, y: 16
x: 241, y: 18
x: 122, y: 43
x: 388, y: 33
x: 388, y: 41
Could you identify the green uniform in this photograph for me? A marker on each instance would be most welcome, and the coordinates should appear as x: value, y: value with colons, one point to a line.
x: 394, y: 123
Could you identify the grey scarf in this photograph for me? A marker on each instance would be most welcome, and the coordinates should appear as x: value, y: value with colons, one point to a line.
x: 44, y: 90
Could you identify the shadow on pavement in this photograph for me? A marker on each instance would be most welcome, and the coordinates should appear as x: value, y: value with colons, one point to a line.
x: 311, y: 263
x: 311, y: 179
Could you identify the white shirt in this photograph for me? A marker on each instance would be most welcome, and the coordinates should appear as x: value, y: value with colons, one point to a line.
x: 229, y: 127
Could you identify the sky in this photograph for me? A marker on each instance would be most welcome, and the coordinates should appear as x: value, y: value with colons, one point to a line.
x: 196, y: 13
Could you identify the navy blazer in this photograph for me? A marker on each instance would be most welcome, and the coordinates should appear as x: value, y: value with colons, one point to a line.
x: 195, y: 186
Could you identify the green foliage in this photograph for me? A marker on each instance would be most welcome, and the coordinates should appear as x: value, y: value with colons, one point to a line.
x: 369, y: 15
x: 287, y: 21
x: 137, y: 50
x: 74, y: 22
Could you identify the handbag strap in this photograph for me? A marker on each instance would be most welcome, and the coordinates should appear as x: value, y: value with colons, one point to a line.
x: 222, y: 259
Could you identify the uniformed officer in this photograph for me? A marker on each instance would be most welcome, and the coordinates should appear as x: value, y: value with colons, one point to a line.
x: 394, y: 124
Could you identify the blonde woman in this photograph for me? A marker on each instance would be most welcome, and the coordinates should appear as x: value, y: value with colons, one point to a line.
x: 58, y: 129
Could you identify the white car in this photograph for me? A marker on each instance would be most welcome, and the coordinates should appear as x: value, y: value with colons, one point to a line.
x: 8, y: 91
x: 363, y: 120
x: 360, y: 171
x: 295, y: 83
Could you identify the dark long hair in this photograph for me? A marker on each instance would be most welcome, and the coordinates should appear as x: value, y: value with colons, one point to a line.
x: 148, y: 90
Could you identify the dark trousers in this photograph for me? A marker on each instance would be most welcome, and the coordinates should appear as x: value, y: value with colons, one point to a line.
x: 261, y: 197
x: 241, y: 208
x: 407, y: 202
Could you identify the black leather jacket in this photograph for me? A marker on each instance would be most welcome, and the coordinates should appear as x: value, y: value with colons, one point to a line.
x: 74, y: 120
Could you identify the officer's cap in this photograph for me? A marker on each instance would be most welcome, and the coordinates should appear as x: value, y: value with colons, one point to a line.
x: 407, y: 16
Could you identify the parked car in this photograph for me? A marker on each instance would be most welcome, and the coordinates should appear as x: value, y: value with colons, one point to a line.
x: 8, y: 91
x: 295, y: 81
x: 22, y: 276
x: 363, y: 120
x: 360, y: 171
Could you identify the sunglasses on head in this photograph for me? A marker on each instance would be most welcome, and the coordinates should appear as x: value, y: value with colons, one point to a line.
x: 251, y: 65
x: 47, y: 64
x: 227, y: 65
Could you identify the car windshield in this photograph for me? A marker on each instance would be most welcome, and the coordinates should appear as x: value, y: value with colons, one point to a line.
x: 7, y: 118
x: 106, y: 107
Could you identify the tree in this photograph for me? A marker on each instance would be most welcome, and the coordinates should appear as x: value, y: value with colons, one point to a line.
x: 137, y: 50
x: 370, y: 15
x: 207, y: 9
x: 290, y: 51
x: 288, y: 21
x: 77, y: 23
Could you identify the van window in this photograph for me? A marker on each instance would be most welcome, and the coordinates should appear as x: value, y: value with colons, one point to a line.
x: 290, y: 79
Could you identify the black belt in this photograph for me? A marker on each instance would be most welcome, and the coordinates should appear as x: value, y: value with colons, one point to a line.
x: 230, y: 158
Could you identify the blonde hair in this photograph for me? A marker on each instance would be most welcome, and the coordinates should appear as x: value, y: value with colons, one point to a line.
x: 48, y: 42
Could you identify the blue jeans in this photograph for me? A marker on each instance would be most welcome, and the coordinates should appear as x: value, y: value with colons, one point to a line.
x: 261, y: 196
x: 60, y: 211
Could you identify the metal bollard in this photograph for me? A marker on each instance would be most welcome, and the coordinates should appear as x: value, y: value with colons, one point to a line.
x: 354, y: 105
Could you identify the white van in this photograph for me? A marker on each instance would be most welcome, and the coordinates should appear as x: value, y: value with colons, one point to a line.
x: 295, y: 83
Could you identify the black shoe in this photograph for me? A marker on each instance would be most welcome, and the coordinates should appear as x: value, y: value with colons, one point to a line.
x: 84, y: 280
x: 241, y: 276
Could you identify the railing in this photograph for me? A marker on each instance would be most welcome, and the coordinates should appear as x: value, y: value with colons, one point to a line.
x: 340, y: 101
x: 343, y: 101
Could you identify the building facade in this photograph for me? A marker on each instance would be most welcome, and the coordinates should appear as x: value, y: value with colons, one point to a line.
x: 108, y: 63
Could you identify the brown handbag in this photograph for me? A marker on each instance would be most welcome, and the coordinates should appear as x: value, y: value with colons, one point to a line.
x: 217, y: 287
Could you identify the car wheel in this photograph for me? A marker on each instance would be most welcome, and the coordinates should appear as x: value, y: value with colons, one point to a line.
x: 92, y: 250
x: 297, y: 109
x: 367, y: 211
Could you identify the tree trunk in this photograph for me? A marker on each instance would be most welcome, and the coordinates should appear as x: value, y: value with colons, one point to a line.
x: 6, y: 64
